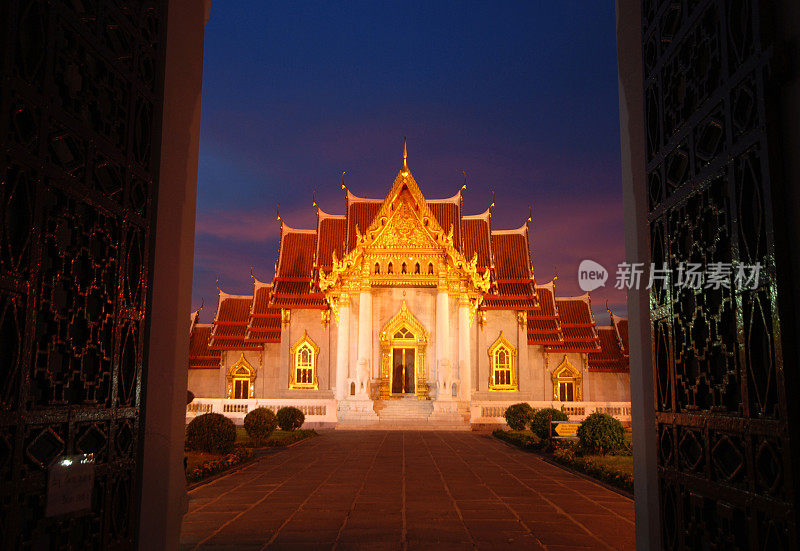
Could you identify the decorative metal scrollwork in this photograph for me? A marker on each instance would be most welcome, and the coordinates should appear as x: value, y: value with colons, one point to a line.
x: 80, y: 91
x: 720, y: 404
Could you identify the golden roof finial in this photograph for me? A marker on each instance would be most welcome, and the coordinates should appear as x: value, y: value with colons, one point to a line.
x: 463, y: 187
x: 344, y: 187
x: 278, y: 213
x: 202, y: 304
x: 252, y: 275
x: 218, y: 289
x: 314, y: 198
x: 530, y: 213
x: 405, y: 154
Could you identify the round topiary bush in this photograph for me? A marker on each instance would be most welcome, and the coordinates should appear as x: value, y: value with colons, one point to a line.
x: 260, y: 423
x: 290, y: 418
x: 519, y: 415
x: 211, y: 432
x: 601, y: 433
x: 540, y: 424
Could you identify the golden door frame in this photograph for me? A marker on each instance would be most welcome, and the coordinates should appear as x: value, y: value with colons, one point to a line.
x: 404, y: 319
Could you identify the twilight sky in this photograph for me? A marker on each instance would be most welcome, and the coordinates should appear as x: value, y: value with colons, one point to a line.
x: 520, y: 95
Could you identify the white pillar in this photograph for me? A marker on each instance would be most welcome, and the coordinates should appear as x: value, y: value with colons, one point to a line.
x: 464, y: 356
x: 443, y: 377
x: 343, y: 347
x: 364, y: 342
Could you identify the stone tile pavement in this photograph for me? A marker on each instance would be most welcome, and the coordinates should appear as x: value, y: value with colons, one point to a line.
x: 405, y: 490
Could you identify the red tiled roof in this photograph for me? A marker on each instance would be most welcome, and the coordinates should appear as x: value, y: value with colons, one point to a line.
x: 230, y: 325
x: 447, y: 215
x: 577, y: 325
x: 297, y: 253
x: 332, y: 231
x: 476, y: 240
x: 264, y: 323
x: 200, y: 356
x: 610, y: 357
x: 512, y: 263
x: 543, y: 326
x: 621, y: 325
x: 359, y: 213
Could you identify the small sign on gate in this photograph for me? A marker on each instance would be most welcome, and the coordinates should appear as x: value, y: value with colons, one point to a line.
x: 70, y: 480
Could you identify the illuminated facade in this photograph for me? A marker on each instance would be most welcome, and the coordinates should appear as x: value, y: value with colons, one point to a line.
x: 404, y: 300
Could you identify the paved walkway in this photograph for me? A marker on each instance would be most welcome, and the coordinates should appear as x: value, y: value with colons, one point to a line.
x: 405, y: 490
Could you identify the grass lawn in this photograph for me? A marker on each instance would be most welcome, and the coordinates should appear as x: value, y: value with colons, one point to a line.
x: 622, y: 463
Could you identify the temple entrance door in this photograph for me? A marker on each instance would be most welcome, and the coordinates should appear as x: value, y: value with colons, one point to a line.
x: 403, y: 370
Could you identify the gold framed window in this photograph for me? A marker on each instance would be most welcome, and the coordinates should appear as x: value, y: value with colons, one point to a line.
x: 502, y: 360
x: 567, y: 383
x: 303, y: 356
x: 241, y: 379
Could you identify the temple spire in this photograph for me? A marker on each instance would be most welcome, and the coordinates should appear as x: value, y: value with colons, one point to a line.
x: 405, y: 155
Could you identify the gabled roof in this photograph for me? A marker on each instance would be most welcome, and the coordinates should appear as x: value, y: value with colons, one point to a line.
x: 512, y: 270
x: 230, y: 323
x: 610, y: 357
x: 200, y: 355
x: 543, y: 325
x: 577, y: 325
x: 264, y: 323
x: 475, y: 231
x: 331, y: 237
x: 296, y: 269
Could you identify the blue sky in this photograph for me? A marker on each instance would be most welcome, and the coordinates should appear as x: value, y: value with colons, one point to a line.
x: 520, y: 95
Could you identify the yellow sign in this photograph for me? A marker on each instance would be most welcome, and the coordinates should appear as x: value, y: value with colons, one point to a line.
x: 566, y: 429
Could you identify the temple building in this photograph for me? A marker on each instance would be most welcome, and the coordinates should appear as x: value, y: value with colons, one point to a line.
x: 406, y: 312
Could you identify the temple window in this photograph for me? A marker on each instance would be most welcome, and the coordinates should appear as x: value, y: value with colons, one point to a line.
x: 567, y: 383
x: 502, y: 356
x: 241, y: 379
x: 416, y: 268
x: 430, y: 268
x: 377, y: 268
x: 403, y: 268
x: 389, y: 269
x: 303, y: 356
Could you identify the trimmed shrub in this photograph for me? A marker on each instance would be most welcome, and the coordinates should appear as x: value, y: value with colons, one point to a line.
x: 540, y: 424
x: 601, y: 433
x: 211, y: 432
x: 260, y: 423
x: 519, y: 415
x: 290, y: 418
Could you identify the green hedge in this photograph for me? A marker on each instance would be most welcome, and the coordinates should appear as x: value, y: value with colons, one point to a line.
x: 260, y: 423
x: 290, y: 418
x: 211, y: 432
x: 540, y: 424
x: 519, y: 415
x: 601, y: 433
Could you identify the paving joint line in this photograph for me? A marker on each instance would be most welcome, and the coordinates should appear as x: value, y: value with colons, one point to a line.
x: 449, y: 494
x: 360, y: 489
x: 549, y: 501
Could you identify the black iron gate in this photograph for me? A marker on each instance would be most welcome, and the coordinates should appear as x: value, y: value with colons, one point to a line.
x: 724, y: 464
x: 81, y: 94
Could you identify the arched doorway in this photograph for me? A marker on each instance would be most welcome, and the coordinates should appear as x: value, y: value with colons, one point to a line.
x: 403, y: 341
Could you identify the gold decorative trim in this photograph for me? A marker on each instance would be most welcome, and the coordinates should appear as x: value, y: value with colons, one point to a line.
x: 286, y: 316
x: 497, y: 380
x: 566, y: 373
x: 404, y: 319
x: 293, y: 364
x: 241, y: 370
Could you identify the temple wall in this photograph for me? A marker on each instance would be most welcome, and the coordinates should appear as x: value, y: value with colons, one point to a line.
x: 272, y: 372
x: 498, y: 321
x: 606, y: 387
x: 204, y: 383
x: 554, y: 360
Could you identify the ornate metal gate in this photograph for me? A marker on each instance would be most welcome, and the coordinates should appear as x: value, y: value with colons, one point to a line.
x: 81, y: 94
x: 724, y: 467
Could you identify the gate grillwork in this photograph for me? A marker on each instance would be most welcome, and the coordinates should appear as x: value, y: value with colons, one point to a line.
x: 81, y: 95
x: 723, y: 461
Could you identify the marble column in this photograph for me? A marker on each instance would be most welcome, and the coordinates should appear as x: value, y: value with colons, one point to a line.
x: 443, y: 375
x: 364, y: 342
x: 343, y: 347
x: 464, y: 356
